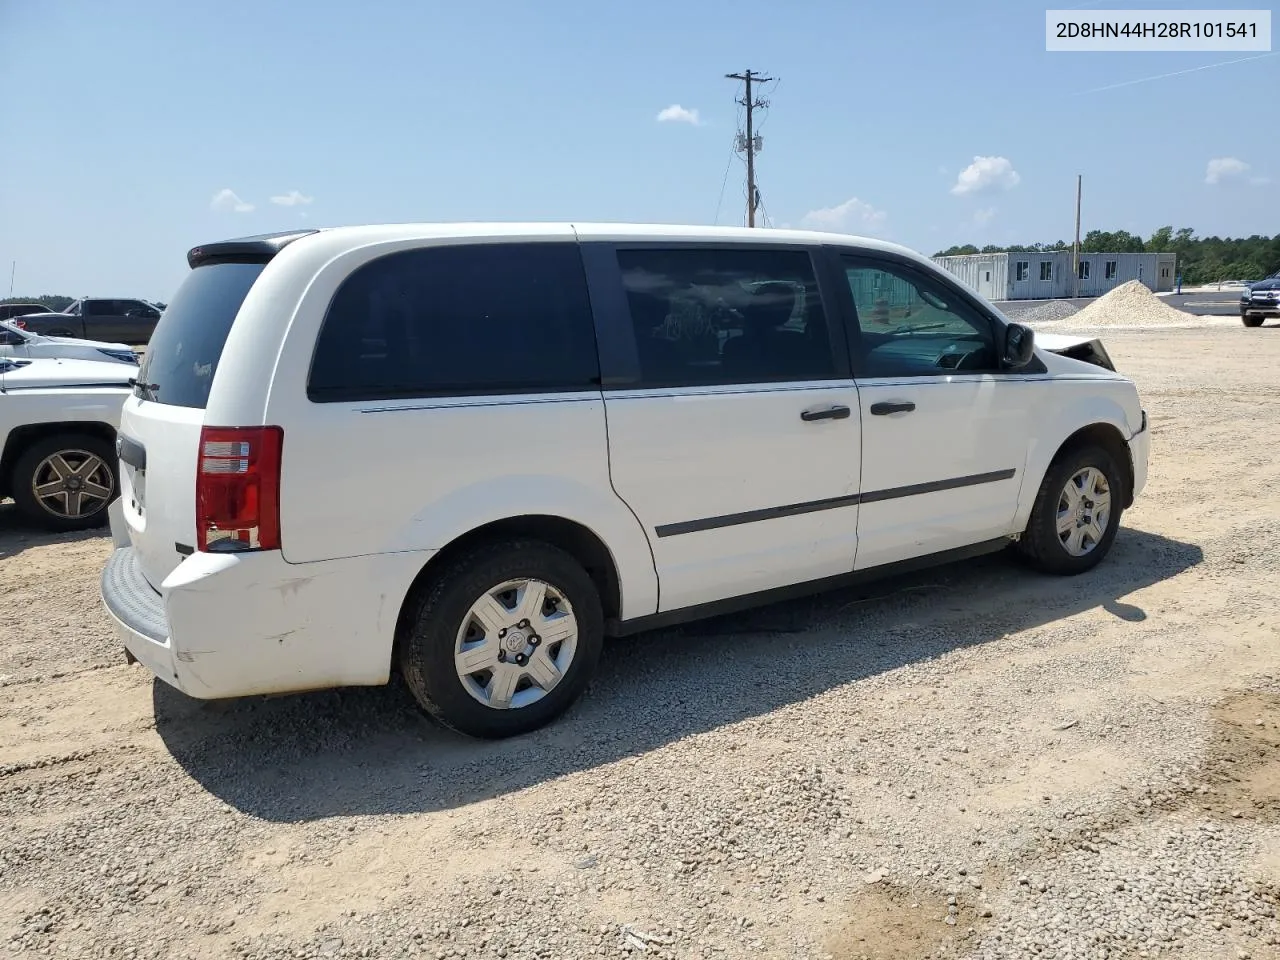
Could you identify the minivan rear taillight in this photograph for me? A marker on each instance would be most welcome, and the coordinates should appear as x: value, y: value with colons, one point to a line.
x: 238, y: 489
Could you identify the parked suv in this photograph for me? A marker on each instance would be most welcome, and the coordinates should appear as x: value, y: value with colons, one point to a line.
x: 1259, y: 301
x: 473, y: 451
x: 57, y: 438
x: 122, y: 321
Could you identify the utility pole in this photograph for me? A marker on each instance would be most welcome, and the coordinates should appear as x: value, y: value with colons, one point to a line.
x: 12, y: 270
x: 750, y: 144
x: 1075, y: 250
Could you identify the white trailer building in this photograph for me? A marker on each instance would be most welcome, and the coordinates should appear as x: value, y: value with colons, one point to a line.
x: 1047, y: 275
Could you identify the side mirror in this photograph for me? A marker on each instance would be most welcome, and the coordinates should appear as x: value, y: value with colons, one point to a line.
x: 1019, y: 346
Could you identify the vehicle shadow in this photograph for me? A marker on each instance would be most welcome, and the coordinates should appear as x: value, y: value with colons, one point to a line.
x: 369, y: 751
x: 18, y: 534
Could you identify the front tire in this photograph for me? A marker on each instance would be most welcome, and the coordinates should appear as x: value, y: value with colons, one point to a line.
x: 66, y: 482
x: 503, y: 640
x: 1252, y: 321
x: 1076, y: 514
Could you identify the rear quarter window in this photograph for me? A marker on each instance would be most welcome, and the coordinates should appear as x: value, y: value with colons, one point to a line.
x: 470, y: 319
x: 184, y: 351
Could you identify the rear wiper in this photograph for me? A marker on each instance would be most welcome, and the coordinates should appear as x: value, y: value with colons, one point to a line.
x: 144, y: 387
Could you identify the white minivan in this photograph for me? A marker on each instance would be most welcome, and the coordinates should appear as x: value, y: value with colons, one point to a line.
x: 472, y: 451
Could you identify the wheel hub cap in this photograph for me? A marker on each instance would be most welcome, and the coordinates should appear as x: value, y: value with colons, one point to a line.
x: 515, y: 644
x: 1084, y: 511
x: 515, y: 641
x: 72, y: 484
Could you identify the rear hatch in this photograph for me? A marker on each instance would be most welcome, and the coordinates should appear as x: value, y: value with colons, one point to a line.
x: 161, y: 421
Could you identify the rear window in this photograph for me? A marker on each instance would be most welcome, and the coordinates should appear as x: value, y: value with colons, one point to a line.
x: 472, y: 319
x: 184, y: 351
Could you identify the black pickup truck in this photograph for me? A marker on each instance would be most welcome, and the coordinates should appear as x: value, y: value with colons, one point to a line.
x: 92, y: 318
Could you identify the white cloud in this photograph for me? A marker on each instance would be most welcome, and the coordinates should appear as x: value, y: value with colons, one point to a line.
x: 1231, y: 169
x: 986, y: 173
x: 678, y: 114
x: 984, y: 216
x: 226, y: 199
x: 1224, y: 168
x: 853, y: 213
x: 293, y: 198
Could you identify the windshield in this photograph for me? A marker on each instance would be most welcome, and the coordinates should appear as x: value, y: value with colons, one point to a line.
x: 184, y: 351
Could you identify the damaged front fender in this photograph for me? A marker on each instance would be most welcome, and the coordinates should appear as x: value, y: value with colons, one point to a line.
x: 1086, y: 349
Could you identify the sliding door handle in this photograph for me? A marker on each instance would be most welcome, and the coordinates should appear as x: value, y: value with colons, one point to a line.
x: 831, y: 413
x: 884, y: 408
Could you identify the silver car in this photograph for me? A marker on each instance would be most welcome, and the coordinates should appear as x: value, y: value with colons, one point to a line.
x: 20, y: 343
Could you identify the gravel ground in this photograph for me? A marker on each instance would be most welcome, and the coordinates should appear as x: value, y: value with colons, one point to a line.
x: 1039, y: 312
x: 973, y: 762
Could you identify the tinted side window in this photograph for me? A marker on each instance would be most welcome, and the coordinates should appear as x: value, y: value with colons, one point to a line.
x: 911, y: 326
x: 457, y: 320
x: 136, y: 308
x: 708, y: 316
x: 100, y: 308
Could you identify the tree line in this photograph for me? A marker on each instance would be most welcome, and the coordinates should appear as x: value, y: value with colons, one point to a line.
x: 1200, y: 259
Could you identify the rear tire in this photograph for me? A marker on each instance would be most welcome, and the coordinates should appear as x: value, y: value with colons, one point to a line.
x: 1252, y: 321
x: 66, y: 481
x: 1068, y: 533
x: 483, y: 655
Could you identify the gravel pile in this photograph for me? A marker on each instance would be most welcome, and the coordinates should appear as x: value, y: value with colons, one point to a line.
x: 1046, y: 312
x: 1131, y: 304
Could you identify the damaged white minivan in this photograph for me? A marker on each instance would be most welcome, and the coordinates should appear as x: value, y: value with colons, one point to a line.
x: 470, y: 452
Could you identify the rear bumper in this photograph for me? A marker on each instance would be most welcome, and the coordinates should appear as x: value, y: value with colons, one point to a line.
x: 138, y: 612
x: 234, y: 625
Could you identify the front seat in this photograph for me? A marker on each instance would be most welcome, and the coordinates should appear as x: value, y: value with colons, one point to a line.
x: 756, y: 354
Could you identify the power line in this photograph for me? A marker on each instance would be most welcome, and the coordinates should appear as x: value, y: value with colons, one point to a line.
x: 768, y: 102
x: 724, y: 181
x: 750, y: 143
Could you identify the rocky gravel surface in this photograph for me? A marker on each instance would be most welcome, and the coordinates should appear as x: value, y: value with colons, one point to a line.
x: 1034, y: 312
x: 973, y: 762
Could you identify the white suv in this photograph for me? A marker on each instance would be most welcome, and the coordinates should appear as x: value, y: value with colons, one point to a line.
x: 57, y: 438
x: 475, y: 450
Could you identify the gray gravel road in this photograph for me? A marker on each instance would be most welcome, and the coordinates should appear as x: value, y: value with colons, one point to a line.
x: 971, y: 762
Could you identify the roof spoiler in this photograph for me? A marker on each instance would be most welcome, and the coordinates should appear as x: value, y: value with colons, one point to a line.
x: 257, y: 249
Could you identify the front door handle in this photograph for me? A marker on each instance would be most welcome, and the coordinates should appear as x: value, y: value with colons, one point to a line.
x: 884, y: 408
x: 831, y: 413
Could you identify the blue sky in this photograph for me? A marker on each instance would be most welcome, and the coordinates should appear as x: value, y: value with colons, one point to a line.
x: 124, y: 121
